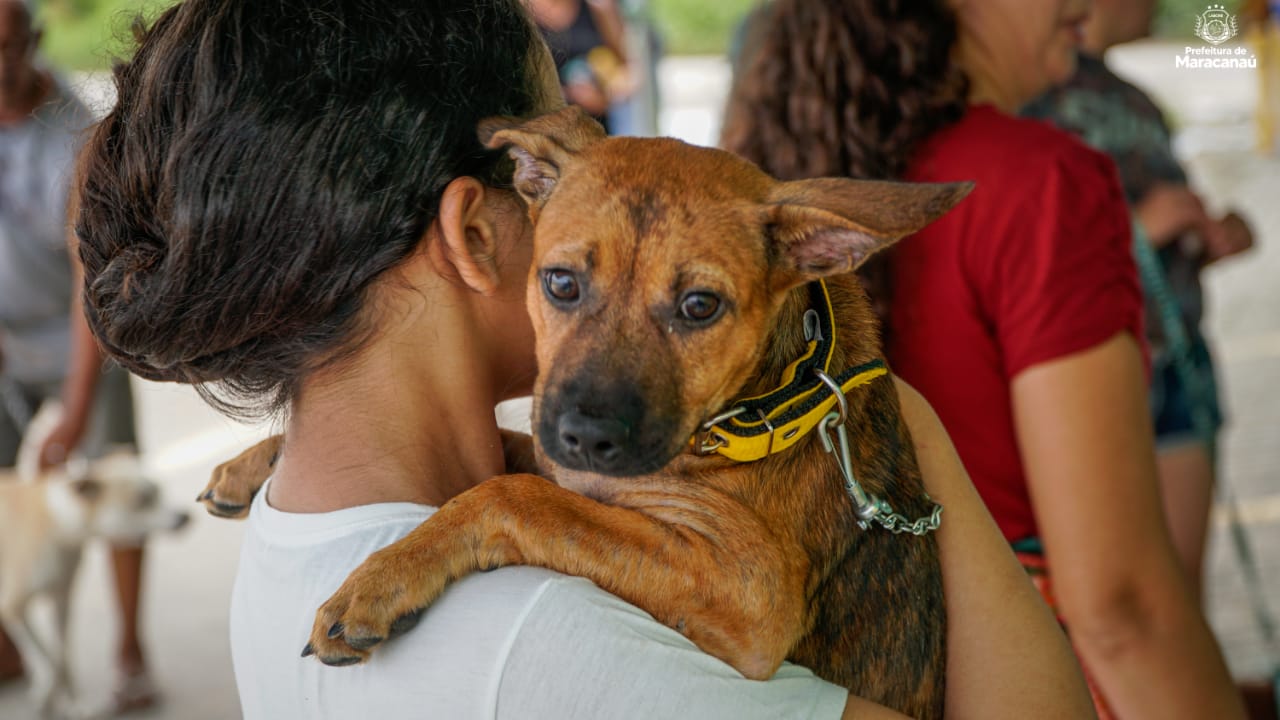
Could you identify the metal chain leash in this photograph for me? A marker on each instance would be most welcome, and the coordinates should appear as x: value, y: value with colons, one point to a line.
x: 895, y: 523
x: 868, y: 508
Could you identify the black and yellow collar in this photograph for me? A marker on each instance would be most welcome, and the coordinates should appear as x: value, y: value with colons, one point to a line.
x: 759, y: 426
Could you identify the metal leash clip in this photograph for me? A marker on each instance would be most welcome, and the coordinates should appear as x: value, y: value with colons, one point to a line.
x: 866, y: 507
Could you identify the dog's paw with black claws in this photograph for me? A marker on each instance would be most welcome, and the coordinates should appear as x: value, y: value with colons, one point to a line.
x: 216, y: 506
x: 383, y: 599
x: 233, y: 484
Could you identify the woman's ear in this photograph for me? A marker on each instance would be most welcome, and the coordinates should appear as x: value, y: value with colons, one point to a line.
x: 469, y: 234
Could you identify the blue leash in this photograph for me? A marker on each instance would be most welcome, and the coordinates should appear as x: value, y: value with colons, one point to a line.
x: 1179, y: 349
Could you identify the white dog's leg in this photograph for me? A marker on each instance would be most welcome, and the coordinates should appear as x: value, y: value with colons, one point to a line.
x: 36, y: 658
x: 62, y: 693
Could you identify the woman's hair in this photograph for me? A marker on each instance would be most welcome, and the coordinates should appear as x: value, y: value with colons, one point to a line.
x: 266, y: 161
x: 844, y: 88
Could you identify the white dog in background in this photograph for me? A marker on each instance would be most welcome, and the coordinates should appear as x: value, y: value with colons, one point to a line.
x: 44, y: 525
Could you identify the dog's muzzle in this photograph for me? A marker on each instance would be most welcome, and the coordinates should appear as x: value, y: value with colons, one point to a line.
x: 594, y: 443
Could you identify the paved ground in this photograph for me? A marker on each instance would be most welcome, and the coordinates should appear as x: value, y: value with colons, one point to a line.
x: 190, y: 575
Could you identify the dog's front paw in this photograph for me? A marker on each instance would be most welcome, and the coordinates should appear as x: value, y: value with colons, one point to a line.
x: 233, y: 484
x: 383, y: 598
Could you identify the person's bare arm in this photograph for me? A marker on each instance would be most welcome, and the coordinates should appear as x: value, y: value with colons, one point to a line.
x: 608, y: 17
x: 1232, y: 236
x: 84, y: 369
x: 1167, y: 211
x: 1006, y: 655
x: 1085, y: 434
x: 618, y: 78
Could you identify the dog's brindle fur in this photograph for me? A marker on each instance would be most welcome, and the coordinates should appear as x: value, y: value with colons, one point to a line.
x: 754, y: 562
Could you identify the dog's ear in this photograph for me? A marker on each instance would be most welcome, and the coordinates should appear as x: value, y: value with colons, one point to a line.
x: 830, y: 226
x: 541, y: 147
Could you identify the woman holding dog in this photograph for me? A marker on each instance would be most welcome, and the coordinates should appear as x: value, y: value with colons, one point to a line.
x: 1018, y: 315
x: 289, y: 209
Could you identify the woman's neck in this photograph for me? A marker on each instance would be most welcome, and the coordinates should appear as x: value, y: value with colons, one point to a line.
x: 409, y: 421
x: 982, y: 95
x: 989, y: 84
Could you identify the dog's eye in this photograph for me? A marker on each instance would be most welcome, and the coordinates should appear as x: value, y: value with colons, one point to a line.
x: 560, y: 285
x: 699, y: 306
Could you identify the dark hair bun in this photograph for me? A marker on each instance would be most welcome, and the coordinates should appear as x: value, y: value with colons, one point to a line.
x: 266, y: 161
x: 117, y: 310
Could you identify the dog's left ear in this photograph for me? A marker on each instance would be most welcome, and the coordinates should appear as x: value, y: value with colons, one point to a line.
x: 541, y: 147
x: 830, y: 226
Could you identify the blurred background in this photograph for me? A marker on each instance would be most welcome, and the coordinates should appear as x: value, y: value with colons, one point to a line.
x: 680, y: 81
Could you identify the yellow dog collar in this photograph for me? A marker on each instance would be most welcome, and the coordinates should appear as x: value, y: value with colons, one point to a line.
x: 760, y: 426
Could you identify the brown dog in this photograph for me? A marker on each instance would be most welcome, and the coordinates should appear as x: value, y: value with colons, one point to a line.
x: 671, y: 284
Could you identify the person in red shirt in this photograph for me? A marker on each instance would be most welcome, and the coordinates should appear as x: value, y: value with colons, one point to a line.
x: 1034, y: 267
x: 1018, y: 315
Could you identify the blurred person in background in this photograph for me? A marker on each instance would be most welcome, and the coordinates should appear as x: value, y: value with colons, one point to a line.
x: 588, y: 43
x: 1018, y: 315
x: 1119, y: 119
x: 46, y: 351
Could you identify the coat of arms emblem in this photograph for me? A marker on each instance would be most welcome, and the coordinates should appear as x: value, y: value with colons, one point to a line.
x: 1216, y: 26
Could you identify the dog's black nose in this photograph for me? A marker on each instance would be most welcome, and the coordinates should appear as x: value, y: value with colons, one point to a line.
x: 596, y: 441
